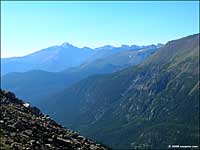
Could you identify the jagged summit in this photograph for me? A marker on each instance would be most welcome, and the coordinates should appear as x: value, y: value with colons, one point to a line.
x: 67, y: 45
x: 105, y: 47
x: 25, y: 127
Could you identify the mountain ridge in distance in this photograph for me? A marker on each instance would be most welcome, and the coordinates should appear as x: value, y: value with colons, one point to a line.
x: 44, y: 83
x: 56, y: 58
x: 157, y: 101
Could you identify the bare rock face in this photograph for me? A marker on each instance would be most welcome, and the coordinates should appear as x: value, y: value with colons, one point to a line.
x: 25, y: 127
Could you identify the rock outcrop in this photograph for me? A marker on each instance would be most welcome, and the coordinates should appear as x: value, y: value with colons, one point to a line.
x: 25, y: 127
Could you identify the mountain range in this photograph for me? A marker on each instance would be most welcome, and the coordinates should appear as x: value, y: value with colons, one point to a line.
x: 58, y: 58
x: 105, y: 60
x: 128, y: 97
x: 151, y: 105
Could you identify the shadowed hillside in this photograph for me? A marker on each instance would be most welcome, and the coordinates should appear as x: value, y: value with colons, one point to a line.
x: 152, y: 105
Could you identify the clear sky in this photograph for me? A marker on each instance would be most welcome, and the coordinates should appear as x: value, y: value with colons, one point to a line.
x: 30, y: 26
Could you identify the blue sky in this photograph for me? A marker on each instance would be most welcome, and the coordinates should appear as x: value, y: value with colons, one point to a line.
x: 30, y: 26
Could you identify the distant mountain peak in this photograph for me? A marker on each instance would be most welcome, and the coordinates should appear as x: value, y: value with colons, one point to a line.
x: 125, y: 46
x: 160, y: 45
x: 66, y: 45
x: 105, y: 47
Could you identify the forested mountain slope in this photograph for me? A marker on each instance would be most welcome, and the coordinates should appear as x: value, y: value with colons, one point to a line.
x: 152, y: 105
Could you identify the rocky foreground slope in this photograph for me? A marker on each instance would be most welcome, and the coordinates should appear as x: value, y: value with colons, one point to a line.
x: 25, y: 127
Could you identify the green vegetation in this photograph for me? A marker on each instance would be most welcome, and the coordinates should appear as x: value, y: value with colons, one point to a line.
x: 152, y: 105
